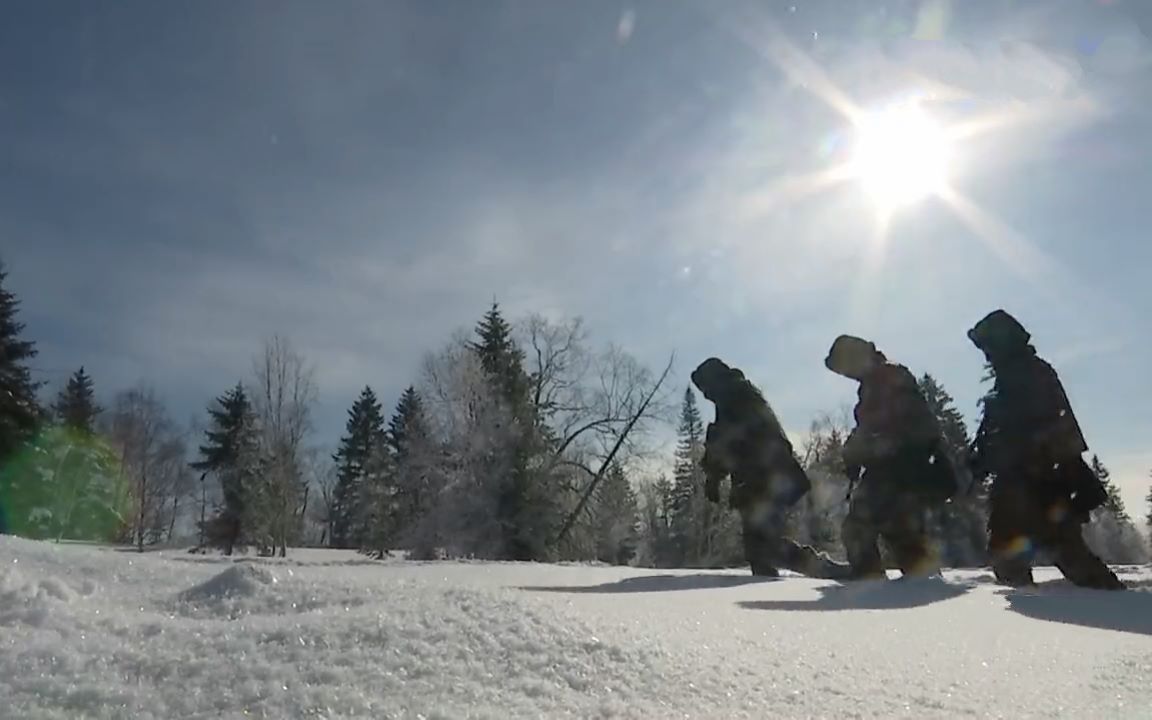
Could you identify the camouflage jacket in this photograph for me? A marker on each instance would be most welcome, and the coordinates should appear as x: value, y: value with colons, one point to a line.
x: 746, y: 434
x: 891, y: 414
x: 1027, y: 419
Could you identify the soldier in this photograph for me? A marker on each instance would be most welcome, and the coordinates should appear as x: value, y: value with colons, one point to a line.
x: 1031, y: 443
x: 747, y: 443
x: 898, y: 448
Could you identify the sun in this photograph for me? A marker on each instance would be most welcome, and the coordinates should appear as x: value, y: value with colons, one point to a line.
x: 901, y: 155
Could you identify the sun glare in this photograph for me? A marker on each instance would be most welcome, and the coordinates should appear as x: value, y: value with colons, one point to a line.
x: 901, y: 155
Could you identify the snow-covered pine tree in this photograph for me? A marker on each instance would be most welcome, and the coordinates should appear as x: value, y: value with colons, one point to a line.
x: 688, y: 501
x: 359, y: 509
x: 1148, y: 517
x: 75, y: 406
x: 67, y: 479
x: 1111, y: 532
x: 617, y: 518
x: 19, y: 414
x: 817, y: 518
x: 230, y: 453
x: 657, y: 547
x: 527, y: 509
x: 502, y: 360
x: 963, y: 520
x: 19, y: 409
x: 410, y: 442
x: 1114, y: 504
x: 702, y: 532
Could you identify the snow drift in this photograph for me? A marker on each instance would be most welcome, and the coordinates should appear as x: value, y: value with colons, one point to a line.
x: 101, y: 633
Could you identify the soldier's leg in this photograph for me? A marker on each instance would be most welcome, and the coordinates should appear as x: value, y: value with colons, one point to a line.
x: 759, y: 546
x: 860, y: 534
x: 768, y: 551
x: 906, y: 533
x: 1011, y: 535
x: 807, y: 560
x: 1077, y: 562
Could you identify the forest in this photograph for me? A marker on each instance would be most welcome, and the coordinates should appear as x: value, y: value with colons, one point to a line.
x: 520, y: 439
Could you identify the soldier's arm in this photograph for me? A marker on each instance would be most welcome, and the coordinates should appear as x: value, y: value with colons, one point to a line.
x: 977, y: 457
x: 714, y: 463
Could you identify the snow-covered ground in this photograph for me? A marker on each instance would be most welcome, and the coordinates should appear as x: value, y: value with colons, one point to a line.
x: 102, y: 633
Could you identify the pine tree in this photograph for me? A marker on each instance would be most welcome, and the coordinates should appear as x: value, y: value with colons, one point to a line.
x: 963, y: 521
x: 657, y: 542
x: 952, y: 425
x: 526, y: 510
x: 231, y: 453
x: 502, y: 359
x: 689, y: 506
x: 1111, y: 532
x: 76, y: 406
x: 19, y: 410
x: 1148, y: 517
x: 1114, y: 504
x: 356, y: 504
x: 408, y: 438
x: 617, y: 518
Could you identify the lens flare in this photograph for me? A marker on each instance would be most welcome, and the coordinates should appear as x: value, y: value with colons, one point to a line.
x: 900, y: 155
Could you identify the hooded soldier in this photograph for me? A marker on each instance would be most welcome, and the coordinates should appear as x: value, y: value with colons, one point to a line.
x: 895, y: 462
x: 1032, y: 445
x: 747, y: 443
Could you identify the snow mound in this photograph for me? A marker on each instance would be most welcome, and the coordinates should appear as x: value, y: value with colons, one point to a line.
x: 30, y: 602
x: 321, y: 637
x: 240, y: 580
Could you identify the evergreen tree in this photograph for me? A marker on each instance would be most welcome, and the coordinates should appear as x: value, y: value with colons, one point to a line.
x: 1111, y: 532
x: 1114, y: 504
x: 356, y: 505
x: 1148, y: 517
x: 231, y: 453
x: 408, y: 439
x: 19, y: 411
x: 526, y: 509
x: 951, y: 421
x: 617, y: 518
x: 963, y: 520
x: 656, y: 535
x: 502, y: 359
x: 65, y: 484
x: 76, y: 406
x: 690, y: 511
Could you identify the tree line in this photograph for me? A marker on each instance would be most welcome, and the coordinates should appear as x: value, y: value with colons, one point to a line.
x: 517, y: 440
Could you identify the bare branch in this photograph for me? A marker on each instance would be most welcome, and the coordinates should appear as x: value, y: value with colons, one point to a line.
x: 604, y: 465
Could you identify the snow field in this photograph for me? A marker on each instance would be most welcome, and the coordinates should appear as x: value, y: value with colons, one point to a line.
x: 102, y: 633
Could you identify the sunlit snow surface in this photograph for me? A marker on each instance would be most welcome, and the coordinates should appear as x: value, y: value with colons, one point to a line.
x: 101, y: 633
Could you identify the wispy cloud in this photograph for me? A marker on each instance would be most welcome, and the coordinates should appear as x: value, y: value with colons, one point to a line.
x: 366, y: 181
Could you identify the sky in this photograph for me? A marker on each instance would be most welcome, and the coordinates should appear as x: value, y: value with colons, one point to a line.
x: 179, y: 181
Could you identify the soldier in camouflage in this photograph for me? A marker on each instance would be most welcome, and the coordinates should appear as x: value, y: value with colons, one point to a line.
x: 747, y: 443
x: 1030, y: 442
x: 896, y: 464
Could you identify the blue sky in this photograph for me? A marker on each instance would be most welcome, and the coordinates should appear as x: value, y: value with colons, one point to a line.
x: 179, y: 180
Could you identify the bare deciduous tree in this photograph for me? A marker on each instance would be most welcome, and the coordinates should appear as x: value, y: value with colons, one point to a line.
x: 586, y: 398
x: 320, y: 474
x: 284, y: 396
x: 152, y: 459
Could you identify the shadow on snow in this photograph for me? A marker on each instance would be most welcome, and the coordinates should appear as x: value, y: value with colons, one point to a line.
x: 1059, y: 601
x: 658, y: 583
x: 869, y: 595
